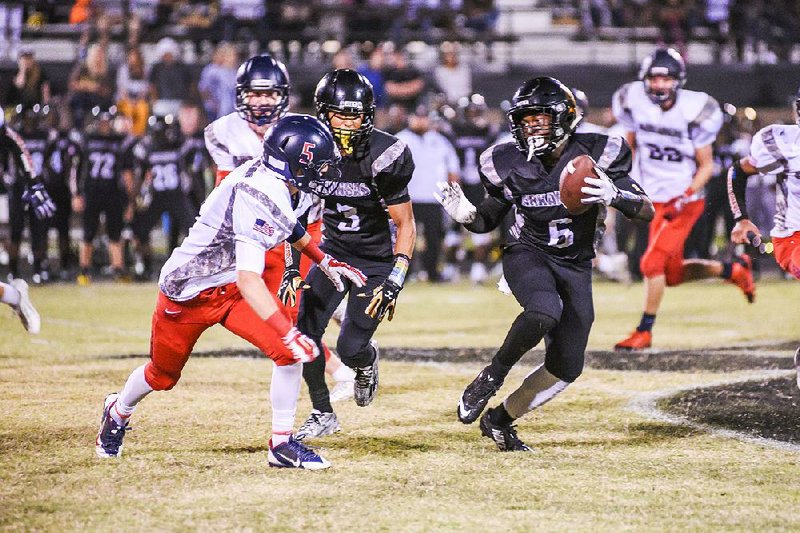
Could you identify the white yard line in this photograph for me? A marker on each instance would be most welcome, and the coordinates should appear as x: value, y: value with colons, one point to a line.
x: 645, y: 405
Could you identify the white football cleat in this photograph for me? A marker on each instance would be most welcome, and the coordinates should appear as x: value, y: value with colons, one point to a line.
x: 343, y: 390
x: 25, y: 310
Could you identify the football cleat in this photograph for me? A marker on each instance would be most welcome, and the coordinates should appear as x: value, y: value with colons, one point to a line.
x: 797, y: 366
x: 343, y: 390
x: 742, y: 276
x: 366, y: 385
x: 295, y: 454
x: 317, y: 425
x: 25, y: 310
x: 477, y: 394
x: 109, y: 438
x: 638, y: 340
x: 504, y: 436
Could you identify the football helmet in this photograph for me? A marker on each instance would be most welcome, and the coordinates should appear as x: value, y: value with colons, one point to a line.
x: 164, y: 131
x: 663, y: 62
x: 348, y: 92
x: 262, y: 73
x: 472, y: 109
x: 547, y: 96
x: 302, y: 150
x: 32, y: 118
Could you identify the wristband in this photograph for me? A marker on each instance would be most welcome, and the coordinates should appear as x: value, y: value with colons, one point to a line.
x: 279, y: 323
x: 399, y: 270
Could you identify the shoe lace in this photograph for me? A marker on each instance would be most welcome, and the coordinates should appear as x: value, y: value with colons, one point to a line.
x: 314, y: 419
x: 512, y: 440
x: 364, y: 376
x: 303, y: 452
x: 115, y: 432
x: 485, y: 384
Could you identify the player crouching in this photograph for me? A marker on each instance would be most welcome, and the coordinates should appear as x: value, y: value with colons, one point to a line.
x: 214, y: 277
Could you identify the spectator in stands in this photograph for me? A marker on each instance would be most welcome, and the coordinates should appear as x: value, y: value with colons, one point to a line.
x: 133, y: 89
x: 452, y: 77
x: 30, y: 85
x: 435, y: 160
x: 480, y: 15
x: 90, y: 84
x: 217, y: 83
x: 672, y: 18
x: 717, y: 13
x: 594, y: 14
x: 170, y: 79
x: 373, y: 71
x: 343, y: 59
x: 10, y: 28
x: 405, y: 84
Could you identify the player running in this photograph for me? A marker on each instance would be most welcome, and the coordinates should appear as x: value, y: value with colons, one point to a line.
x: 672, y: 130
x: 214, y: 277
x: 548, y: 262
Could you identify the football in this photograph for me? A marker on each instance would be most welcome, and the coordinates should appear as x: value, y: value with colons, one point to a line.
x: 572, y: 179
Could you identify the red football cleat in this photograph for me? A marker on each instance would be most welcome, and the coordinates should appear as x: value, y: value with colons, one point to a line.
x: 638, y: 340
x: 742, y: 276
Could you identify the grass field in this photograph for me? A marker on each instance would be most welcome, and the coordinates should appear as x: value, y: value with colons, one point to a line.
x: 197, y: 457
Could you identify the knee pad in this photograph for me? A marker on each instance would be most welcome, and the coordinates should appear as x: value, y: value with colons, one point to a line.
x: 652, y: 264
x: 566, y: 373
x: 348, y: 347
x: 538, y: 321
x: 159, y: 379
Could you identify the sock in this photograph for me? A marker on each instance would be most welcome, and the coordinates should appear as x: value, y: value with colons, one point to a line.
x: 500, y: 417
x: 538, y: 388
x: 727, y: 270
x: 10, y: 296
x: 647, y: 322
x: 284, y: 389
x: 135, y: 389
x: 344, y: 373
x: 525, y: 333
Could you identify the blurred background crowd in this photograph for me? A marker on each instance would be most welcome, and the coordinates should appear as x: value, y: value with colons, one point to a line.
x: 441, y: 70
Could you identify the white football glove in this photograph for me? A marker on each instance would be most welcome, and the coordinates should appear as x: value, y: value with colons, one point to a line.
x: 602, y: 189
x: 455, y: 203
x: 303, y: 348
x: 335, y: 269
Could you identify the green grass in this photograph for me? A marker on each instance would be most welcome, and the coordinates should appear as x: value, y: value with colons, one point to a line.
x: 197, y: 457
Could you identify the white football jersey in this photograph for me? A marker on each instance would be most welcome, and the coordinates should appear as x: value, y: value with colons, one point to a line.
x: 246, y: 215
x: 666, y: 141
x: 776, y: 151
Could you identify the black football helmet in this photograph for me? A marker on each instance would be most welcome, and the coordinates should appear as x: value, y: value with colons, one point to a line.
x: 164, y: 132
x: 32, y: 118
x: 663, y: 62
x: 472, y: 109
x: 543, y: 95
x: 262, y: 73
x: 348, y: 92
x: 302, y: 150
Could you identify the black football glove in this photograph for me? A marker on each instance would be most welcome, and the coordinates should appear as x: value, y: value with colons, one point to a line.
x: 384, y: 297
x: 291, y: 283
x: 36, y: 196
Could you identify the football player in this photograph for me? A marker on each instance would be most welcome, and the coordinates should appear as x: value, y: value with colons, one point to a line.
x: 547, y: 264
x: 105, y: 181
x: 158, y: 166
x: 672, y: 129
x: 369, y: 221
x: 774, y: 150
x: 214, y: 277
x: 262, y: 97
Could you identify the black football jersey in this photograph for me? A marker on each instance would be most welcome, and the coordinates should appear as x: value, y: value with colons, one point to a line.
x: 163, y: 162
x: 105, y: 156
x: 62, y: 160
x: 36, y: 142
x: 355, y: 216
x: 470, y: 141
x: 542, y: 221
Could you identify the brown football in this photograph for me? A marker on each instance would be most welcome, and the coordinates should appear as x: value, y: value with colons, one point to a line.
x: 571, y: 182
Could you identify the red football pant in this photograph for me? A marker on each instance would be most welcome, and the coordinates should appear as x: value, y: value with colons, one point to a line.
x: 664, y: 253
x: 787, y: 253
x: 177, y: 326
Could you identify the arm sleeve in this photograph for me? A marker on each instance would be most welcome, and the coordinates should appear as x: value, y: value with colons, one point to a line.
x: 737, y: 187
x: 21, y: 155
x: 703, y: 129
x: 489, y: 174
x: 491, y: 213
x: 616, y: 161
x: 392, y: 181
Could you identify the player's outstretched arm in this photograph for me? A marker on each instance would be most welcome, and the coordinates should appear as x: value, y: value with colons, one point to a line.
x: 737, y: 187
x: 481, y: 219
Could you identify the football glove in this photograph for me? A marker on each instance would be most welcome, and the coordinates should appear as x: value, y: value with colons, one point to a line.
x: 455, y: 203
x: 36, y: 196
x: 600, y: 190
x: 384, y: 298
x: 335, y: 270
x: 303, y: 348
x: 291, y: 282
x: 677, y: 204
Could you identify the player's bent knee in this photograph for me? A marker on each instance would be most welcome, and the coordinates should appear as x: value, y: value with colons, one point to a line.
x: 348, y: 347
x: 160, y: 379
x: 539, y: 321
x: 673, y: 278
x: 565, y: 372
x: 652, y: 265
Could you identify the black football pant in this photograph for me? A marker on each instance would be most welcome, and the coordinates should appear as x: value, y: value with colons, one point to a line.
x: 19, y: 216
x: 431, y: 217
x: 62, y: 197
x: 546, y: 286
x: 317, y: 306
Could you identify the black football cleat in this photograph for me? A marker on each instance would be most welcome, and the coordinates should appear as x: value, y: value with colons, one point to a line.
x: 477, y: 394
x: 504, y: 436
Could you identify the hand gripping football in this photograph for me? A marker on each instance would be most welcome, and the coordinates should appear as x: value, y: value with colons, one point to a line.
x: 572, y: 179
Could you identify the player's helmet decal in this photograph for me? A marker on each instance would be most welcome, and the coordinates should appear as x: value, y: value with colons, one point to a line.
x: 543, y: 96
x: 303, y: 151
x: 348, y: 92
x: 663, y: 62
x: 262, y: 73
